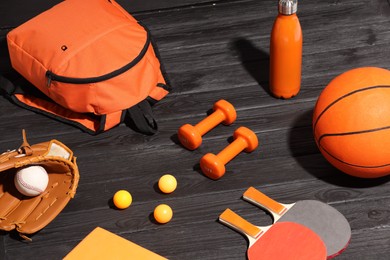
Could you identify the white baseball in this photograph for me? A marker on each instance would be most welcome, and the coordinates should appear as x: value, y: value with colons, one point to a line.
x: 32, y: 180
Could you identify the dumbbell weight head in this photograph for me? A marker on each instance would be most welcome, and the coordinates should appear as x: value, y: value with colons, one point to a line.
x: 227, y: 109
x: 189, y: 137
x: 213, y: 166
x: 249, y: 136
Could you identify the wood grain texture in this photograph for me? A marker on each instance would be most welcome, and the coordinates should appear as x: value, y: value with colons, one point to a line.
x: 2, y: 246
x: 213, y: 50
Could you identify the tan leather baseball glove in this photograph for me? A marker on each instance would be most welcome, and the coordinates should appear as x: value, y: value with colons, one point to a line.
x: 30, y: 214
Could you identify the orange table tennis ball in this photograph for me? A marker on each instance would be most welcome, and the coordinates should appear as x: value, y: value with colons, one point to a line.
x: 122, y: 199
x: 163, y: 213
x: 167, y: 183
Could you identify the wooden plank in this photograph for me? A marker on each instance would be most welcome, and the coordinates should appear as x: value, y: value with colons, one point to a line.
x: 187, y: 230
x: 195, y: 106
x: 15, y: 12
x: 372, y: 245
x: 3, y: 250
x: 294, y: 154
x: 216, y: 50
x: 181, y: 78
x: 150, y: 6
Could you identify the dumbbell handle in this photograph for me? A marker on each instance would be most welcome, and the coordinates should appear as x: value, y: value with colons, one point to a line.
x: 210, y: 122
x: 232, y: 150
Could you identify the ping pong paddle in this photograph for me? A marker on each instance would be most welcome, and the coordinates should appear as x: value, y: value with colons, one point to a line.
x: 326, y: 221
x: 280, y: 241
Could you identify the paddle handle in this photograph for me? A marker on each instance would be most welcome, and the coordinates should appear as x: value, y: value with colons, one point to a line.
x: 260, y: 199
x: 233, y: 220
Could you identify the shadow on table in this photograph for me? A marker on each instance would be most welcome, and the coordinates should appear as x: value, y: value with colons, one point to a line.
x: 254, y: 60
x: 302, y: 143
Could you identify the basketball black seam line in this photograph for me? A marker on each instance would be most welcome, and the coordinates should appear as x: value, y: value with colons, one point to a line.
x: 344, y: 96
x: 354, y: 133
x: 349, y: 133
x: 354, y: 165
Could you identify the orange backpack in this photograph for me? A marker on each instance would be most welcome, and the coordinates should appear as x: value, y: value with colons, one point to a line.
x: 94, y: 64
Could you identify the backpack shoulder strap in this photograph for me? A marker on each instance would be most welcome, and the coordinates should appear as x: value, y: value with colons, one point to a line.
x: 141, y: 117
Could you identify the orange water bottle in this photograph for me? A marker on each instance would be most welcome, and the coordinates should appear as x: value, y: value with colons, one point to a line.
x: 286, y: 51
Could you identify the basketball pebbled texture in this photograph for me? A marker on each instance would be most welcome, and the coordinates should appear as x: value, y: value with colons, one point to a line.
x: 351, y: 122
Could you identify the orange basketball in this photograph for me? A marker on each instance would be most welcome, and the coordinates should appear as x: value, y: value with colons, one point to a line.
x: 351, y: 122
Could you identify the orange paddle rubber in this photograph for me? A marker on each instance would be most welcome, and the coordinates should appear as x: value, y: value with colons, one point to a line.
x: 280, y: 241
x: 191, y: 136
x: 213, y: 166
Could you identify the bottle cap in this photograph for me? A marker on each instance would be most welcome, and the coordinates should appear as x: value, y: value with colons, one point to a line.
x: 288, y: 7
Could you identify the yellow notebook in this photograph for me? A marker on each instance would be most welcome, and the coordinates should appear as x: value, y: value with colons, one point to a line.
x: 102, y: 244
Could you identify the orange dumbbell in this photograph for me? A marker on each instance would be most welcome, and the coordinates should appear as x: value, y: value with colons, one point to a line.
x: 213, y: 165
x: 191, y: 136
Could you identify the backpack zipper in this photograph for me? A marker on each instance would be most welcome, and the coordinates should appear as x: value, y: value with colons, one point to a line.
x: 54, y: 77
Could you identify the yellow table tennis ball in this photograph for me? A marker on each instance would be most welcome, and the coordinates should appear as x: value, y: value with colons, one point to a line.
x: 163, y: 213
x: 167, y: 183
x: 122, y: 199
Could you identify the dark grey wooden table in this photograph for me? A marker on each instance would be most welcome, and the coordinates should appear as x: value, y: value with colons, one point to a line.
x: 213, y: 50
